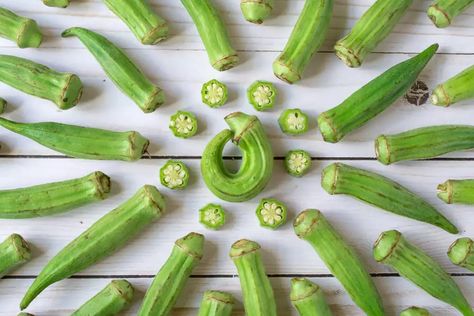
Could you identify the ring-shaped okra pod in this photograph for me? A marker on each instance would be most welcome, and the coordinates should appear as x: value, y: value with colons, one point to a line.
x: 373, y: 98
x: 415, y: 311
x: 57, y: 3
x: 306, y: 38
x: 213, y: 33
x: 461, y: 253
x: 14, y: 251
x: 173, y: 275
x: 442, y: 12
x: 52, y: 198
x: 457, y: 191
x: 341, y: 260
x: 63, y: 89
x: 247, y: 133
x: 123, y: 72
x: 216, y: 303
x: 455, y: 89
x: 371, y: 29
x: 23, y: 31
x: 148, y: 27
x: 82, y: 142
x: 412, y: 263
x: 382, y: 192
x: 256, y: 11
x: 257, y: 291
x: 110, y: 301
x: 101, y: 239
x: 308, y: 298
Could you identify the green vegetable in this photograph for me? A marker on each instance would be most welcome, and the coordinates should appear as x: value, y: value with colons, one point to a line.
x: 461, y: 253
x: 442, y: 12
x: 214, y: 93
x: 212, y: 216
x: 293, y: 122
x: 255, y: 171
x: 171, y: 279
x: 108, y: 234
x: 174, y: 175
x: 261, y: 94
x: 120, y: 69
x: 413, y: 264
x: 82, y: 142
x: 3, y: 105
x: 57, y: 3
x: 14, y: 251
x: 213, y: 33
x: 308, y: 298
x: 457, y: 191
x: 458, y: 88
x: 382, y: 192
x: 52, y: 198
x: 63, y: 89
x: 373, y: 98
x: 415, y: 311
x: 21, y: 30
x: 341, y: 260
x: 257, y: 291
x: 115, y: 297
x: 148, y: 27
x: 216, y: 303
x: 305, y: 40
x: 183, y: 124
x: 297, y: 162
x: 256, y: 11
x: 25, y: 314
x: 271, y: 213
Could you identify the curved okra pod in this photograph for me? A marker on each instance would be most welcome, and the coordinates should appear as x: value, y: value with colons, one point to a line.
x: 108, y: 234
x: 256, y: 11
x: 377, y: 190
x: 442, y: 12
x: 257, y: 291
x: 247, y: 133
x: 63, y: 89
x: 308, y: 298
x: 412, y: 263
x: 213, y: 33
x: 216, y: 303
x: 373, y: 98
x: 123, y: 72
x: 173, y: 275
x: 23, y: 31
x: 341, y: 260
x: 371, y: 29
x: 415, y: 311
x: 82, y: 142
x: 3, y: 105
x: 461, y: 253
x: 14, y: 251
x: 57, y: 3
x: 457, y: 191
x: 458, y: 88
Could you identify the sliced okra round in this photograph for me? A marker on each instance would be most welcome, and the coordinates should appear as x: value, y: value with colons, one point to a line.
x: 214, y: 93
x: 174, y: 175
x: 212, y: 216
x: 3, y: 105
x: 262, y: 94
x: 271, y: 213
x: 297, y: 162
x: 183, y: 124
x: 293, y: 122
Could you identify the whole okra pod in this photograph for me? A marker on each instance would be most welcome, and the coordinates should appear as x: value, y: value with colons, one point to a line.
x: 457, y: 88
x: 64, y: 89
x: 108, y: 234
x: 341, y: 260
x: 308, y: 298
x: 256, y: 11
x: 23, y: 31
x: 415, y: 311
x: 173, y: 275
x: 216, y: 303
x: 457, y: 191
x: 120, y: 69
x: 412, y: 263
x: 57, y: 3
x: 461, y: 253
x: 14, y: 251
x: 442, y: 12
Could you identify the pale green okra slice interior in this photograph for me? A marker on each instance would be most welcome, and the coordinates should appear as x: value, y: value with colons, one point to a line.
x: 174, y: 175
x: 271, y: 213
x: 293, y: 122
x: 212, y: 216
x: 262, y: 94
x: 297, y: 162
x: 214, y: 93
x: 183, y: 124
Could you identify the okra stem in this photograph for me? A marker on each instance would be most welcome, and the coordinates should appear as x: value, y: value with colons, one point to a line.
x: 256, y: 11
x: 458, y: 88
x: 461, y: 253
x: 415, y: 311
x: 14, y: 251
x: 57, y: 3
x: 216, y: 303
x: 457, y: 191
x: 23, y: 31
x: 442, y: 12
x: 308, y: 298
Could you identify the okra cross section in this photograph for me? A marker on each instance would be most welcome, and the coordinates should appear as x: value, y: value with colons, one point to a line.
x: 183, y: 124
x: 14, y: 251
x: 271, y: 213
x: 297, y: 162
x: 308, y: 298
x: 262, y: 94
x: 293, y: 122
x: 461, y: 253
x: 174, y: 175
x: 23, y: 31
x: 443, y: 12
x: 455, y: 89
x: 256, y: 11
x: 415, y: 311
x: 212, y: 216
x: 457, y: 191
x: 214, y: 93
x: 216, y: 303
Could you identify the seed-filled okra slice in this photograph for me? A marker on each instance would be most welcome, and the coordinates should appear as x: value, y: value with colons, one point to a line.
x: 457, y: 88
x: 183, y: 124
x: 14, y: 251
x: 415, y: 311
x: 293, y: 122
x: 214, y: 93
x: 57, y: 3
x: 3, y: 105
x: 442, y: 12
x: 457, y: 191
x: 271, y: 213
x: 23, y: 31
x: 461, y: 253
x: 308, y: 298
x: 262, y: 94
x: 212, y: 216
x: 256, y: 11
x: 297, y: 162
x: 216, y: 303
x: 174, y: 175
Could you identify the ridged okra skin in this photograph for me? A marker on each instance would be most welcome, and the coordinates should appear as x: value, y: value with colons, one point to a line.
x: 455, y: 89
x: 82, y: 142
x: 108, y: 234
x: 110, y: 301
x: 21, y: 30
x: 255, y: 172
x: 57, y: 3
x: 371, y: 29
x: 63, y: 89
x: 123, y: 72
x: 461, y: 253
x: 341, y: 259
x: 373, y: 98
x: 306, y: 38
x: 148, y: 27
x: 308, y: 298
x: 256, y: 11
x: 457, y: 191
x: 14, y: 251
x: 423, y: 143
x: 442, y: 12
x: 216, y: 303
x: 415, y: 311
x: 377, y: 190
x: 173, y: 275
x: 257, y: 291
x: 213, y: 33
x: 412, y: 263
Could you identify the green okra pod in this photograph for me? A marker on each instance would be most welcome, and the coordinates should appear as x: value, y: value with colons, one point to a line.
x: 57, y: 3
x: 412, y: 263
x: 14, y: 251
x: 457, y: 191
x: 213, y: 33
x: 308, y: 298
x: 442, y: 12
x: 257, y: 291
x: 108, y: 234
x: 377, y: 190
x: 455, y: 89
x: 415, y: 311
x: 25, y: 314
x: 256, y: 11
x: 63, y: 89
x: 216, y: 303
x: 371, y: 29
x: 123, y: 72
x: 341, y: 260
x: 373, y: 98
x: 173, y: 275
x: 23, y: 31
x: 305, y: 40
x: 461, y: 253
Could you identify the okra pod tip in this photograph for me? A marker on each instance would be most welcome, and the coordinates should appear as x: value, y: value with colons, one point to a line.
x: 460, y: 250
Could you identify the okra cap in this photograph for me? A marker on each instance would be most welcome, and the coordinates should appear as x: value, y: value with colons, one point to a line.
x: 243, y: 247
x: 306, y: 222
x: 71, y: 93
x: 439, y: 18
x: 154, y: 197
x: 226, y: 63
x: 302, y: 288
x: 192, y: 244
x: 30, y: 35
x: 460, y: 250
x: 347, y: 56
x: 123, y: 288
x: 224, y: 297
x: 102, y: 183
x: 385, y: 244
x: 382, y: 150
x: 255, y: 11
x: 445, y: 192
x: 329, y: 177
x: 21, y: 247
x: 285, y: 73
x: 439, y: 96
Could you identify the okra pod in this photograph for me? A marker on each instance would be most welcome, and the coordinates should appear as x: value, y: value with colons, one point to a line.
x: 173, y: 275
x: 461, y: 253
x: 21, y: 30
x: 123, y: 72
x: 25, y: 314
x: 373, y: 98
x: 108, y: 234
x: 255, y: 172
x: 308, y: 298
x: 371, y: 29
x: 457, y: 191
x: 63, y: 89
x: 341, y: 260
x: 458, y: 88
x: 256, y: 11
x: 257, y: 291
x: 115, y: 297
x: 82, y: 142
x: 57, y: 3
x: 442, y: 12
x: 213, y: 33
x: 423, y: 143
x: 415, y: 311
x: 412, y: 263
x: 382, y: 192
x: 14, y: 251
x: 305, y: 40
x: 216, y: 303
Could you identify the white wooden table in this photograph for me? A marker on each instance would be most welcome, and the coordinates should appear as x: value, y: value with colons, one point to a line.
x: 180, y: 66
